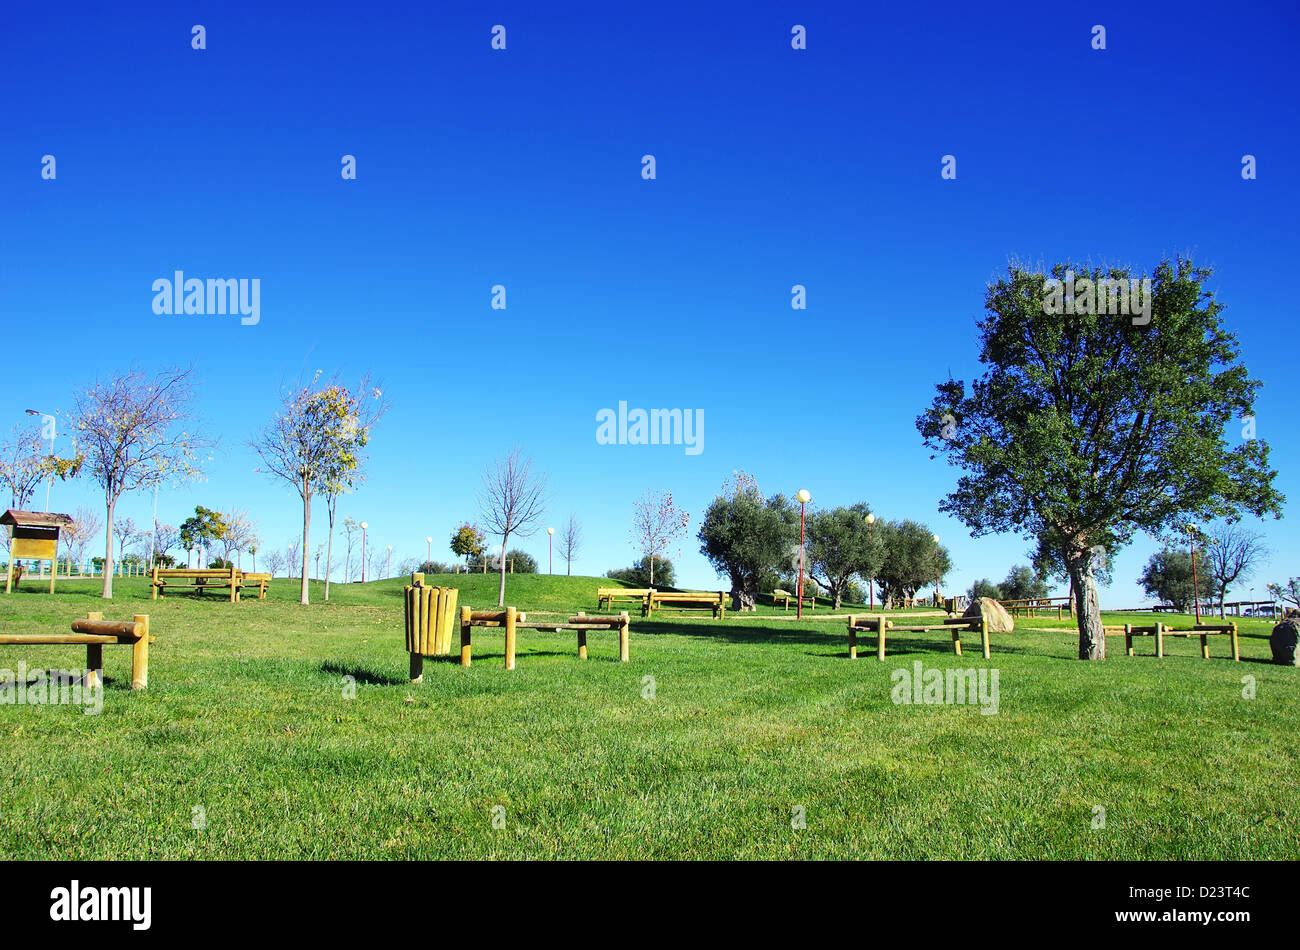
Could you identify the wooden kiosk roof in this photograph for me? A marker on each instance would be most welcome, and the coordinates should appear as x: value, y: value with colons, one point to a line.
x: 35, y: 519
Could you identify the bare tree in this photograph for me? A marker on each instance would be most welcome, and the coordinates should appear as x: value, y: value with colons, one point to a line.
x: 570, y: 542
x: 512, y: 503
x: 129, y: 429
x: 315, y: 442
x: 240, y: 534
x: 274, y: 562
x: 656, y: 523
x: 1232, y: 553
x: 125, y: 531
x: 78, y: 535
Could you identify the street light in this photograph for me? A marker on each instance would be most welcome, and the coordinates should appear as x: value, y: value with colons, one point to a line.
x: 388, y: 565
x: 1196, y: 587
x: 804, y: 497
x: 428, y: 551
x: 363, y: 551
x: 938, y: 598
x: 550, y: 550
x: 49, y: 481
x: 871, y: 584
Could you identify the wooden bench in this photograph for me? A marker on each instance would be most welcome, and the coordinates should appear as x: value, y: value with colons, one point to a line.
x: 880, y: 626
x: 200, y: 579
x: 1204, y: 631
x: 95, y: 632
x: 249, y: 579
x: 693, y: 600
x: 780, y: 595
x: 512, y: 620
x: 606, y: 596
x: 1031, y: 605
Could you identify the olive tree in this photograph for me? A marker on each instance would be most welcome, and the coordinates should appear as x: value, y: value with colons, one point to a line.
x: 747, y: 536
x: 841, y: 544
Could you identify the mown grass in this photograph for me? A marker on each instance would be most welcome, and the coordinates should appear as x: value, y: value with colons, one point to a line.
x: 246, y: 717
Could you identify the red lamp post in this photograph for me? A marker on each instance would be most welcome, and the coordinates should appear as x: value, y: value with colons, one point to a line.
x: 804, y: 497
x: 938, y: 597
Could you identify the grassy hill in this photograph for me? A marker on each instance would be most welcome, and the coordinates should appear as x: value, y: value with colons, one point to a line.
x: 705, y: 745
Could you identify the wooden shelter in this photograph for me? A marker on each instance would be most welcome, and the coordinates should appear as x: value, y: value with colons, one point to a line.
x: 35, y: 535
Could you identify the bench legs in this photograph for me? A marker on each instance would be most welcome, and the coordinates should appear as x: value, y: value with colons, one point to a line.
x: 623, y: 630
x: 510, y: 638
x: 956, y: 640
x: 465, y: 613
x: 140, y: 655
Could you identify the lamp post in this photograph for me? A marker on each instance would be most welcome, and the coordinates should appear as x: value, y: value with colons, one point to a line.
x: 1196, y: 587
x: 388, y: 565
x: 550, y: 550
x: 938, y: 600
x: 363, y: 551
x: 871, y: 584
x: 50, y: 480
x: 804, y: 497
x: 428, y: 550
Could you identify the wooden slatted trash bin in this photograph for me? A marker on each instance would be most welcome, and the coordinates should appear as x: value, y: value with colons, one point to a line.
x: 430, y: 617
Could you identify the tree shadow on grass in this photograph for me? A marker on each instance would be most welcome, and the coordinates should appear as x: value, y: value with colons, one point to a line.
x: 366, y: 675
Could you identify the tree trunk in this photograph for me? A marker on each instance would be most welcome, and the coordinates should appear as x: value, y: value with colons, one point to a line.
x: 1092, y: 636
x: 329, y: 553
x: 501, y: 591
x: 109, y: 505
x: 306, y: 531
x: 742, y: 599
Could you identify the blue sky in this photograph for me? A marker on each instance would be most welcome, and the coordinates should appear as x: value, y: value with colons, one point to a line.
x: 522, y: 167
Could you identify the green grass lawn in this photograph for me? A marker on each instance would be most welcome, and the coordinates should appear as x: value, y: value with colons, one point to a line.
x: 752, y: 718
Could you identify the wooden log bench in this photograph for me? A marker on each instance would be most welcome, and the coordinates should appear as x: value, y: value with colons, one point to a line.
x: 196, y: 578
x: 254, y: 580
x: 686, y: 600
x: 512, y: 620
x: 881, y: 626
x: 1204, y: 631
x: 606, y: 597
x: 785, y: 597
x: 1032, y: 605
x: 95, y: 632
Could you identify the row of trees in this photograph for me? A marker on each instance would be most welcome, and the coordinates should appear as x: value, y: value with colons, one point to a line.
x: 753, y: 540
x: 1227, y: 554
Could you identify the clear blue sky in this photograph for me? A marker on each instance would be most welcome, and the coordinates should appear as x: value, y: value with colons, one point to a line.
x: 523, y: 168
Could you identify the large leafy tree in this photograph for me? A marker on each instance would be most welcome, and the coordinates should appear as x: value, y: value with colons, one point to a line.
x: 747, y: 536
x: 202, y: 529
x: 840, y: 545
x: 912, y: 559
x: 314, y: 442
x: 1088, y: 427
x: 1168, y: 576
x: 1022, y: 583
